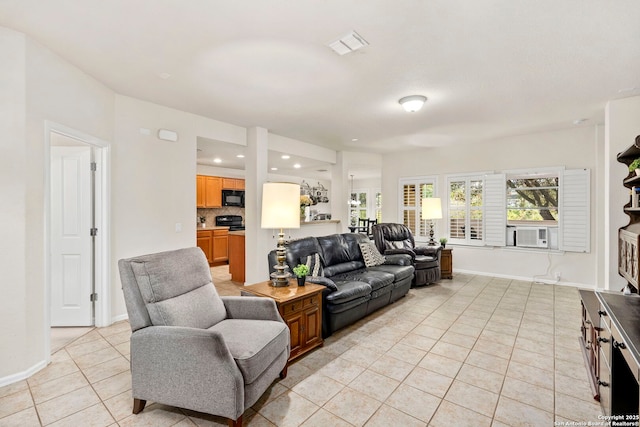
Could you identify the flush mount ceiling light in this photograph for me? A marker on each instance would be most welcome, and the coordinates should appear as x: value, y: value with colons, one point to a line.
x: 412, y: 103
x: 348, y: 43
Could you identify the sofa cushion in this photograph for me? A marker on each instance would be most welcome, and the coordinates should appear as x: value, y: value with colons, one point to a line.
x: 298, y: 249
x: 253, y: 344
x: 399, y: 271
x: 349, y: 290
x: 334, y: 270
x: 375, y: 279
x: 341, y: 308
x: 335, y: 250
x: 370, y: 254
x: 314, y: 264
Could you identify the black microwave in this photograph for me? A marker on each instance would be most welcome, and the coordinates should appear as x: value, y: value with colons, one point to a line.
x: 233, y: 198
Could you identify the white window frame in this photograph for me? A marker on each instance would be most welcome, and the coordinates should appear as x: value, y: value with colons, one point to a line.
x: 428, y: 180
x: 468, y: 241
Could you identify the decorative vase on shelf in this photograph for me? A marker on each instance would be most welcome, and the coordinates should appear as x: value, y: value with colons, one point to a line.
x: 301, y: 280
x: 302, y: 213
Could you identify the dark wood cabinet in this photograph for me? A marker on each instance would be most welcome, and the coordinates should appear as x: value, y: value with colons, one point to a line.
x: 629, y: 235
x: 446, y: 263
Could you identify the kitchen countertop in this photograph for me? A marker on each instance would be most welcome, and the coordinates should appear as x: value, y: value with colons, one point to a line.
x: 322, y: 221
x: 236, y: 233
x: 212, y: 227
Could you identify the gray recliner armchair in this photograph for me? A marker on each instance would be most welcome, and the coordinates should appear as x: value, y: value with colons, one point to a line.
x: 190, y: 347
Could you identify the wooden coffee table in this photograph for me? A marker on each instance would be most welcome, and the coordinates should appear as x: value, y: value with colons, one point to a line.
x: 301, y: 309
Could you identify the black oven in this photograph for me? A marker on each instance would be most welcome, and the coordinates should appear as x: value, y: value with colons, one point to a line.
x: 233, y: 198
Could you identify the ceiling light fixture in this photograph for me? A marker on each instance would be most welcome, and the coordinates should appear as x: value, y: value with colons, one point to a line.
x: 286, y: 156
x: 297, y: 166
x: 412, y: 103
x: 274, y: 169
x: 217, y: 160
x: 240, y: 156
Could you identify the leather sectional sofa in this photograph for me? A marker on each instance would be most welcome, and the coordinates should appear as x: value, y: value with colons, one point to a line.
x: 352, y: 289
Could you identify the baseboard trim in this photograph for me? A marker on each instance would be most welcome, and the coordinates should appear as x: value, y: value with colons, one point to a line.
x: 119, y: 318
x: 14, y: 378
x: 538, y: 279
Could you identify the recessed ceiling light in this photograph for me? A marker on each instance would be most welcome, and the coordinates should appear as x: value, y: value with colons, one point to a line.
x: 579, y: 121
x: 286, y: 156
x: 164, y: 76
x: 217, y: 160
x: 240, y: 156
x: 354, y: 139
x: 297, y: 166
x: 274, y: 169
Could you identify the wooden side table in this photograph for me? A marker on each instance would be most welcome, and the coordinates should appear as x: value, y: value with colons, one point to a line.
x: 301, y: 309
x: 446, y: 263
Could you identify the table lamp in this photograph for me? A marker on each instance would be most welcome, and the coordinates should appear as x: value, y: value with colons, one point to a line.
x: 280, y: 210
x: 431, y: 209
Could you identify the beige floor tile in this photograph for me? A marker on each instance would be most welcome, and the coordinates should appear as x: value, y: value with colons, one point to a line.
x: 374, y: 385
x: 93, y: 416
x: 89, y: 347
x: 392, y: 367
x: 114, y: 385
x: 570, y: 369
x: 62, y: 406
x: 120, y: 406
x: 275, y: 390
x: 295, y: 373
x: 344, y: 405
x: 525, y: 357
x: 464, y: 329
x: 25, y: 418
x: 570, y: 407
x: 471, y: 397
x: 323, y: 418
x: 288, y: 409
x: 450, y: 414
x: 429, y: 331
x: 579, y: 389
x: 465, y: 341
x: 115, y: 328
x: 429, y: 381
x: 452, y: 351
x: 106, y: 369
x: 409, y: 353
x: 119, y: 337
x: 15, y: 402
x: 441, y: 364
x: 341, y: 370
x: 96, y: 357
x: 482, y: 378
x: 318, y: 389
x: 487, y: 346
x: 498, y: 337
x: 154, y: 415
x: 518, y: 414
x: 544, y: 348
x: 488, y: 361
x: 13, y: 388
x: 362, y: 356
x: 529, y: 394
x: 53, y: 371
x: 507, y: 328
x: 387, y: 416
x: 531, y: 375
x: 59, y: 386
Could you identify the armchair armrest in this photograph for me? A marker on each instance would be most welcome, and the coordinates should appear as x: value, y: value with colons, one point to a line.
x: 398, y: 259
x: 256, y: 308
x: 429, y: 250
x: 405, y: 251
x: 176, y: 365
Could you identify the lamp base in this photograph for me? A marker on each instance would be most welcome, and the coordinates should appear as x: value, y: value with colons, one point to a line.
x: 431, y: 241
x: 280, y: 277
x: 280, y: 280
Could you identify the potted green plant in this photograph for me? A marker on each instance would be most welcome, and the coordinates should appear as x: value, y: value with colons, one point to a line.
x: 635, y: 166
x: 301, y: 271
x: 443, y: 242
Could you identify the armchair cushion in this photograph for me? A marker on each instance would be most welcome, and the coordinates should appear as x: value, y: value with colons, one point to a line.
x: 314, y: 264
x: 253, y: 344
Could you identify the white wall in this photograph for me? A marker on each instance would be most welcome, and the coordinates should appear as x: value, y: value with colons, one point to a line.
x: 571, y: 148
x: 622, y: 127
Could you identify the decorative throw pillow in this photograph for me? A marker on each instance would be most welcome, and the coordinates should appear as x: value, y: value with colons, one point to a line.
x: 314, y: 263
x: 371, y: 255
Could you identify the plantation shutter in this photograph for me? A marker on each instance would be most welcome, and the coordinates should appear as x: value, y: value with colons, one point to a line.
x: 495, y: 210
x: 575, y: 218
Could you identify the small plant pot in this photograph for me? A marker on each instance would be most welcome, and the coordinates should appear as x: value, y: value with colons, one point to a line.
x: 301, y: 281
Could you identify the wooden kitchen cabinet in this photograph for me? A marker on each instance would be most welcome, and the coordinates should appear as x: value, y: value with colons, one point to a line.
x: 205, y: 242
x: 300, y: 308
x: 208, y: 191
x: 220, y: 246
x: 232, y: 184
x: 236, y: 256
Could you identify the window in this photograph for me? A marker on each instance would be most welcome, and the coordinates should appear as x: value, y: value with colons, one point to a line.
x: 532, y: 199
x: 360, y: 207
x: 466, y: 209
x: 413, y: 191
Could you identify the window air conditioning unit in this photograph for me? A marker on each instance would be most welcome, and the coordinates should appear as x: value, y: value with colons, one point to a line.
x: 532, y: 237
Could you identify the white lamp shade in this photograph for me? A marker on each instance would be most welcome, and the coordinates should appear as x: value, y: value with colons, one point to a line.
x: 431, y: 208
x: 280, y: 205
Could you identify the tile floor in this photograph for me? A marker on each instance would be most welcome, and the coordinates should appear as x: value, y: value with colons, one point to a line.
x: 472, y: 351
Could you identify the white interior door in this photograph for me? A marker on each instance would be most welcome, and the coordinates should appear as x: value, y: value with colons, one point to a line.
x: 71, y: 241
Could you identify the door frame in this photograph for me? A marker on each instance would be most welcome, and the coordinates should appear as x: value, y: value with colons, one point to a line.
x: 102, y: 271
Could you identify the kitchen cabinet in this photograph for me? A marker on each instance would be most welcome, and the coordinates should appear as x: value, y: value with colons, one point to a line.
x: 208, y: 191
x: 214, y: 243
x: 232, y: 184
x: 205, y: 242
x: 236, y: 256
x: 220, y: 246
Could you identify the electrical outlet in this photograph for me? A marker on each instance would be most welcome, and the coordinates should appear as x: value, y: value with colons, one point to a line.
x: 558, y: 275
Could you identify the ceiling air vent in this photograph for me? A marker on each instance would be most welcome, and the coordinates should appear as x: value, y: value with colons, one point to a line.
x: 348, y: 43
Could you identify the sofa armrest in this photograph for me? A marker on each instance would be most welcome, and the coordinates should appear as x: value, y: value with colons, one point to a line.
x: 251, y: 307
x: 169, y: 363
x: 398, y: 259
x: 321, y: 280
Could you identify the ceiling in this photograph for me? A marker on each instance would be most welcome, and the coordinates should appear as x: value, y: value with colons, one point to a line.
x: 490, y: 68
